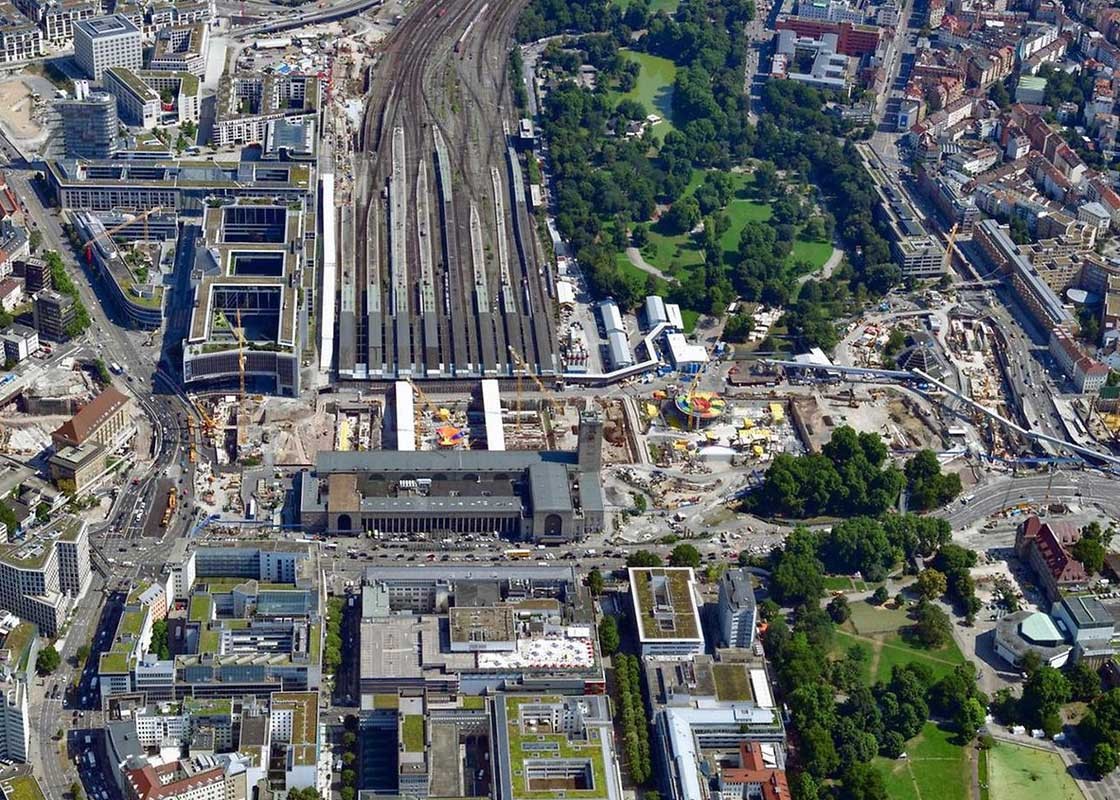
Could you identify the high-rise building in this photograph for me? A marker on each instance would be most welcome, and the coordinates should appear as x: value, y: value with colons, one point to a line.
x: 737, y: 611
x: 89, y: 123
x: 103, y: 42
x: 40, y: 576
x: 53, y: 312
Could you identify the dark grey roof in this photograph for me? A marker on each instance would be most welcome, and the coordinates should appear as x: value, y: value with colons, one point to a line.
x: 1087, y: 612
x: 737, y: 587
x: 548, y: 487
x: 440, y: 505
x: 435, y: 460
x: 122, y: 740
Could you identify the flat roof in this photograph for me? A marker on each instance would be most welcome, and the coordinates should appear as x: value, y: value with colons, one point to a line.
x: 665, y: 603
x: 481, y: 625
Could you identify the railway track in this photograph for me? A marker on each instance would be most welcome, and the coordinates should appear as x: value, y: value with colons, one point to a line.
x: 442, y: 74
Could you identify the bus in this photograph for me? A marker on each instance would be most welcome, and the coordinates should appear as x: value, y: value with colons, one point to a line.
x: 518, y: 554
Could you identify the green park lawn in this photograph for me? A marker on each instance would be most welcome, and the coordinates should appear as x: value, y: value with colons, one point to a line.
x: 654, y: 88
x: 668, y: 6
x: 878, y: 630
x: 935, y: 769
x: 1016, y: 772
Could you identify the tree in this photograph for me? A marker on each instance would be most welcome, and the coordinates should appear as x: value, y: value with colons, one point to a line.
x: 35, y: 239
x: 880, y: 596
x: 927, y: 486
x: 349, y: 757
x: 818, y: 753
x: 685, y: 555
x: 931, y: 584
x: 82, y: 654
x: 76, y: 791
x: 1090, y: 552
x: 595, y: 582
x: 349, y: 777
x: 1101, y: 722
x: 349, y: 739
x: 643, y: 558
x: 1044, y: 693
x: 310, y: 793
x: 932, y: 627
x: 768, y: 609
x: 608, y: 635
x: 347, y: 793
x: 969, y: 718
x: 1103, y: 759
x: 953, y: 690
x: 48, y: 660
x: 1084, y: 682
x: 839, y: 609
x: 160, y: 644
x: 863, y: 782
x: 798, y: 576
x: 683, y: 215
x: 802, y: 786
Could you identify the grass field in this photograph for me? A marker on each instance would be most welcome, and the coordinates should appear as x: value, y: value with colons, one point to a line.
x: 668, y: 6
x: 935, y: 769
x: 1016, y: 772
x: 654, y: 88
x: 879, y: 630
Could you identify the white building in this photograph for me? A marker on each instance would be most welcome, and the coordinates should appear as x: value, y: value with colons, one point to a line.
x: 684, y: 355
x: 19, y: 342
x: 137, y: 103
x: 666, y: 610
x: 104, y: 42
x: 1087, y: 374
x: 1088, y: 625
x: 39, y: 577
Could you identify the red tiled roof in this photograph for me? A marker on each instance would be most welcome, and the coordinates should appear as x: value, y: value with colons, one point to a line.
x: 753, y: 769
x: 91, y: 417
x: 148, y: 781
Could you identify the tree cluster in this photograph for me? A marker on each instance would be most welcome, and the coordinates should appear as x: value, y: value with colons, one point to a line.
x: 926, y: 485
x: 63, y: 284
x: 955, y: 562
x: 1100, y: 729
x: 332, y: 652
x: 608, y: 635
x: 632, y: 718
x: 850, y: 476
x: 160, y: 644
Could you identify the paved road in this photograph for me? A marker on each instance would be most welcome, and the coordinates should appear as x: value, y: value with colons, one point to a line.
x: 1082, y: 487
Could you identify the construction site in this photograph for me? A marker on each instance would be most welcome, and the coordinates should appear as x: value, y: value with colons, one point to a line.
x: 432, y: 252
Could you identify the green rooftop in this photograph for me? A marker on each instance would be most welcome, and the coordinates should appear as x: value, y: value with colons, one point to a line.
x: 132, y: 622
x: 204, y: 706
x: 202, y: 608
x: 732, y: 681
x: 137, y: 590
x: 209, y: 641
x: 412, y: 733
x: 22, y: 787
x: 114, y: 663
x: 19, y: 643
x: 474, y: 702
x: 386, y: 701
x: 675, y: 608
x: 539, y: 745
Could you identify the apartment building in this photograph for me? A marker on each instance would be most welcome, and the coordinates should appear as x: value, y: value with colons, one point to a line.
x: 738, y: 614
x: 1087, y: 374
x: 183, y: 48
x: 20, y: 38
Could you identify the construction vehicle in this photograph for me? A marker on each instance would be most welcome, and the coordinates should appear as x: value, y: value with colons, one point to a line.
x: 426, y: 402
x: 170, y: 508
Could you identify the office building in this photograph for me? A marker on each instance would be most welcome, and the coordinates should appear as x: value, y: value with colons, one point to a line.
x: 104, y: 420
x: 89, y: 123
x: 666, y: 611
x: 251, y: 260
x: 482, y: 629
x: 137, y: 103
x: 18, y: 651
x: 1047, y: 547
x: 41, y: 576
x: 576, y: 755
x: 183, y: 48
x: 103, y: 42
x: 738, y: 614
x: 75, y: 469
x: 53, y: 314
x: 19, y: 342
x: 36, y: 275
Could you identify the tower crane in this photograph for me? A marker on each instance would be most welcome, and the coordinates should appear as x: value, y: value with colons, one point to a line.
x: 87, y: 246
x: 947, y: 262
x: 242, y: 434
x: 427, y: 403
x: 549, y: 398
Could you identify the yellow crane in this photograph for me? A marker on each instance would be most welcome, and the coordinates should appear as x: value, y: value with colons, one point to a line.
x: 427, y: 403
x: 549, y: 398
